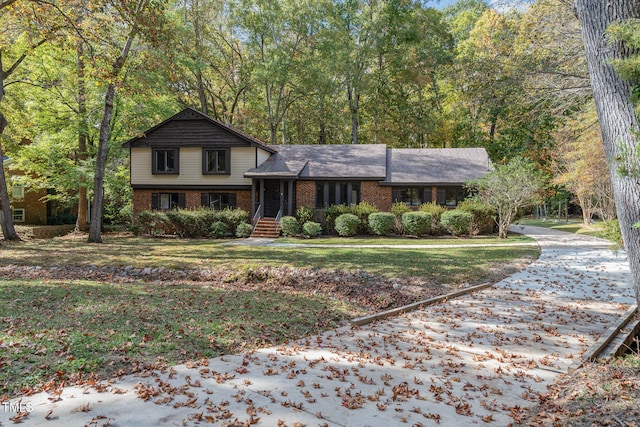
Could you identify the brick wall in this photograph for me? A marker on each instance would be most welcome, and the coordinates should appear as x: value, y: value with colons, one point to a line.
x: 35, y: 209
x: 305, y: 193
x: 193, y: 199
x: 378, y: 196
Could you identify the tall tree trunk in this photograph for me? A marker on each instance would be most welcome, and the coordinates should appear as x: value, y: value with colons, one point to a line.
x: 6, y: 219
x: 81, y: 222
x: 95, y: 227
x: 618, y: 121
x: 354, y: 101
x: 202, y: 95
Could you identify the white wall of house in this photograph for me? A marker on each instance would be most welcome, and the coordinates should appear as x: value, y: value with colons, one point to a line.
x: 190, y: 167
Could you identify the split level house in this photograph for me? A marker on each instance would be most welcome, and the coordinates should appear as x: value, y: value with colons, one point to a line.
x: 191, y: 160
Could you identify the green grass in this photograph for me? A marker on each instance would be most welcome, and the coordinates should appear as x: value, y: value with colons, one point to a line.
x: 573, y: 225
x: 442, y: 264
x: 396, y: 241
x: 57, y: 329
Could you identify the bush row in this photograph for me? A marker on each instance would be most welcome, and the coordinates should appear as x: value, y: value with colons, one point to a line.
x: 470, y: 217
x: 201, y: 222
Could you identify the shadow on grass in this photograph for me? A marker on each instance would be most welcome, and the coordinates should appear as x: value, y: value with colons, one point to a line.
x: 58, y: 330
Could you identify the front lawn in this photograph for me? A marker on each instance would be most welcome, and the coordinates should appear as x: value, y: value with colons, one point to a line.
x: 72, y: 309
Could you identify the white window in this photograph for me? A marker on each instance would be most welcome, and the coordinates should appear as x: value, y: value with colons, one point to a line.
x: 18, y: 215
x: 18, y: 191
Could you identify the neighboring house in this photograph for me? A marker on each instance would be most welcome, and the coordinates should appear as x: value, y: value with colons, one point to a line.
x: 29, y: 205
x: 192, y: 160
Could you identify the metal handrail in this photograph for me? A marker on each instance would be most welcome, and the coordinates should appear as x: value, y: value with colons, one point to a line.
x: 278, y: 218
x: 257, y: 215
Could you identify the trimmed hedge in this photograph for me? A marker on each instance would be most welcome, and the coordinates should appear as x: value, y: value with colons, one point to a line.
x: 436, y: 212
x: 362, y: 210
x: 244, y: 230
x: 311, y: 229
x: 290, y: 226
x: 456, y: 222
x: 219, y: 230
x: 347, y: 225
x: 416, y: 223
x: 191, y: 222
x: 382, y: 223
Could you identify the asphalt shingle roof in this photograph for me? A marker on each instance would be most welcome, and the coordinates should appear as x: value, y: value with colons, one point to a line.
x: 436, y: 165
x: 365, y: 161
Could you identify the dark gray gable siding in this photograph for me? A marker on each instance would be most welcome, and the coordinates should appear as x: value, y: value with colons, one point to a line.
x: 190, y: 128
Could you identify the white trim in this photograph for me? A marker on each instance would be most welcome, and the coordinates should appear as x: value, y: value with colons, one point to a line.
x: 18, y: 214
x: 18, y: 191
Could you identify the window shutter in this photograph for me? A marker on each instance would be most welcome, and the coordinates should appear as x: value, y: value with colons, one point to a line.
x: 232, y: 200
x: 154, y: 201
x: 182, y: 200
x: 428, y: 198
x: 204, y: 199
x: 442, y: 196
x: 396, y: 195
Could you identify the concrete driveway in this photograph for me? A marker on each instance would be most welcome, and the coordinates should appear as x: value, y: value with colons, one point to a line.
x: 481, y: 358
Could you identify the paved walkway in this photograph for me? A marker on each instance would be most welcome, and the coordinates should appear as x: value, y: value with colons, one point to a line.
x: 477, y: 359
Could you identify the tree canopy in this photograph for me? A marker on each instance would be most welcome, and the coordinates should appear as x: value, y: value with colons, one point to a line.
x: 514, y: 81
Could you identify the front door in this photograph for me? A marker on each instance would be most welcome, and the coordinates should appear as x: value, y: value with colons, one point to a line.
x: 272, y: 195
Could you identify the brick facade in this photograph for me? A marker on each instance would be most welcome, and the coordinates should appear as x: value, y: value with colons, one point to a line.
x: 35, y: 209
x: 370, y: 191
x: 380, y: 197
x: 193, y: 199
x: 305, y: 193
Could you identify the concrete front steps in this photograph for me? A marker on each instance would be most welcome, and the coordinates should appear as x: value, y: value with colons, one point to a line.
x: 266, y: 229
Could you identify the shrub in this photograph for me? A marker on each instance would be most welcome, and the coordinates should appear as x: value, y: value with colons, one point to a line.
x: 347, y: 225
x: 332, y: 212
x: 362, y: 210
x: 416, y: 223
x: 398, y: 208
x: 382, y: 223
x: 244, y: 230
x: 191, y: 222
x: 610, y: 230
x: 232, y: 217
x: 305, y: 214
x: 150, y: 222
x: 311, y: 229
x: 290, y: 226
x: 482, y: 221
x: 436, y: 212
x: 219, y: 229
x: 456, y: 222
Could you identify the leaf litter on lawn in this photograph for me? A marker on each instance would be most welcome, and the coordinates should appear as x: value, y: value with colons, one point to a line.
x: 116, y: 320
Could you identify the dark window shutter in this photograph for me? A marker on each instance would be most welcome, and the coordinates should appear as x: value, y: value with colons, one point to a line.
x: 396, y: 195
x: 182, y: 200
x: 442, y: 196
x: 232, y: 200
x: 154, y: 201
x: 428, y: 198
x: 227, y: 160
x: 204, y: 199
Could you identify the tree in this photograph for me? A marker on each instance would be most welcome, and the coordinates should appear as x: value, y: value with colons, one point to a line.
x: 616, y: 113
x: 508, y: 188
x: 136, y: 17
x: 24, y: 31
x: 582, y: 168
